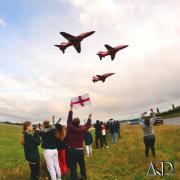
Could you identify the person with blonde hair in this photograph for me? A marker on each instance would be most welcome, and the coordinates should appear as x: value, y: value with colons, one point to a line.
x: 31, y: 142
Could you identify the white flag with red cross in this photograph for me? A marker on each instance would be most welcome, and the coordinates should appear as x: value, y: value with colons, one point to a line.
x: 81, y: 101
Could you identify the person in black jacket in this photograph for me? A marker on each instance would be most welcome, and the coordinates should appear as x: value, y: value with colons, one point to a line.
x: 117, y: 129
x: 112, y: 131
x: 30, y: 143
x: 49, y: 145
x: 98, y: 134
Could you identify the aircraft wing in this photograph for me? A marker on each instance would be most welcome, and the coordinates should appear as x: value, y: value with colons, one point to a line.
x: 108, y: 47
x: 99, y: 76
x: 113, y: 56
x: 69, y: 37
x: 77, y: 47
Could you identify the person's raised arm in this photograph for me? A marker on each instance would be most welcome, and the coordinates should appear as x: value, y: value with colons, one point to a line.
x: 143, y: 114
x: 70, y: 116
x: 142, y: 117
x: 88, y: 124
x: 153, y: 118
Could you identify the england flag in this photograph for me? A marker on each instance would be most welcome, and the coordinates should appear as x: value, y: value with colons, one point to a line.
x: 81, y: 101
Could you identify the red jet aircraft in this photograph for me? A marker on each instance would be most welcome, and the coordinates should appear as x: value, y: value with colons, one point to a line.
x: 101, y: 77
x: 110, y: 51
x: 73, y: 41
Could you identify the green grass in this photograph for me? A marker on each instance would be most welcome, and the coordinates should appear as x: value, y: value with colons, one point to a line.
x: 174, y: 115
x: 124, y: 160
x: 11, y: 152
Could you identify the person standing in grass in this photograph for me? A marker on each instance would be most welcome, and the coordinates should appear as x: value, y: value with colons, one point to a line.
x: 98, y: 134
x: 117, y: 128
x: 31, y: 142
x: 75, y: 138
x: 88, y: 141
x: 104, y: 134
x: 49, y: 145
x: 62, y: 147
x: 112, y: 131
x: 149, y: 138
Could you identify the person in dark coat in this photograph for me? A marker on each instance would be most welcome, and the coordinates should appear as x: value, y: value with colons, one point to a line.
x: 98, y: 134
x: 88, y: 141
x: 75, y: 138
x: 117, y: 128
x: 50, y: 152
x: 112, y: 131
x: 31, y: 142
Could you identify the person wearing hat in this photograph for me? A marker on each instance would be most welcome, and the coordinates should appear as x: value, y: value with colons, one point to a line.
x: 75, y: 137
x: 146, y: 122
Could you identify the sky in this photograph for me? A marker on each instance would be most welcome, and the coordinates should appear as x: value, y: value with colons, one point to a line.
x: 38, y: 81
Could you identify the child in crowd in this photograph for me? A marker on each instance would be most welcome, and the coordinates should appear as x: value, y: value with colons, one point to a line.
x: 30, y: 142
x: 88, y: 141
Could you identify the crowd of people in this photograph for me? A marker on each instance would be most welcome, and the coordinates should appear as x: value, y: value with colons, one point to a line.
x: 101, y: 129
x: 63, y: 146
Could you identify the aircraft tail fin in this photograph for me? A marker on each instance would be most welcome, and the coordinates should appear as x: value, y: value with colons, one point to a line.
x: 100, y: 56
x: 61, y: 48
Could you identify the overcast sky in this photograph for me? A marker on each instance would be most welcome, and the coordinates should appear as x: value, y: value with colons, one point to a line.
x: 37, y: 80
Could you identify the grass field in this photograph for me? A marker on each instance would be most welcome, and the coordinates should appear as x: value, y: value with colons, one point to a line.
x: 174, y: 115
x: 124, y: 160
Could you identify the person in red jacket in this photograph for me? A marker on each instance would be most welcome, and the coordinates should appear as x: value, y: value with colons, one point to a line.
x: 75, y: 137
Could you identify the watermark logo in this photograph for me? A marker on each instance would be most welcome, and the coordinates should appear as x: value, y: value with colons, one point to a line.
x: 160, y: 168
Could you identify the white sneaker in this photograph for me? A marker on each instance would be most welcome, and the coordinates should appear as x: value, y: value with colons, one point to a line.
x: 107, y: 147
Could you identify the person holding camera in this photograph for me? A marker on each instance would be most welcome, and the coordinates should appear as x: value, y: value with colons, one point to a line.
x: 75, y: 137
x: 31, y: 141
